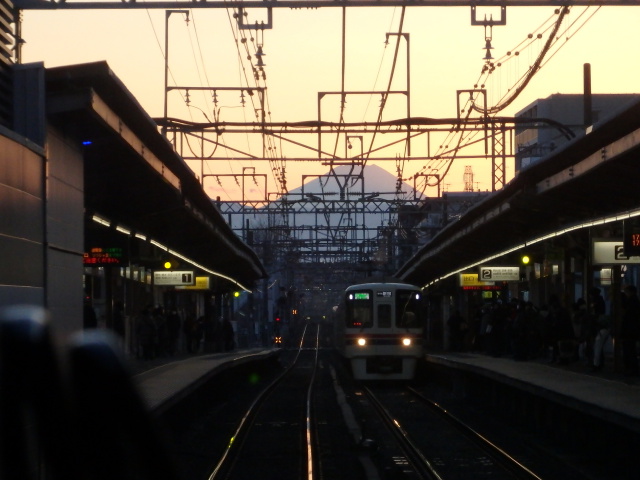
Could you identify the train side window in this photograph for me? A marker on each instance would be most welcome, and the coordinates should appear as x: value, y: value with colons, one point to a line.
x: 384, y: 316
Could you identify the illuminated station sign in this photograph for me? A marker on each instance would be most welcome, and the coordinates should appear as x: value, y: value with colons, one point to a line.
x: 612, y: 252
x: 101, y: 256
x: 469, y: 281
x: 499, y: 274
x: 201, y: 283
x: 174, y: 278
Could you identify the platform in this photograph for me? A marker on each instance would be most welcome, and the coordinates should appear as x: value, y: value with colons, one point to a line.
x: 164, y: 382
x: 606, y: 394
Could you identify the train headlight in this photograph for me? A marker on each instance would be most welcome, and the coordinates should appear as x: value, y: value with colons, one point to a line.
x: 406, y: 342
x: 362, y: 342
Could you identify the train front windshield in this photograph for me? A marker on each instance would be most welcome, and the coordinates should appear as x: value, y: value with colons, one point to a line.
x: 359, y: 311
x: 408, y: 309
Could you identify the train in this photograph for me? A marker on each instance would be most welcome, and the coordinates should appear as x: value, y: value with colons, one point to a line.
x: 379, y: 330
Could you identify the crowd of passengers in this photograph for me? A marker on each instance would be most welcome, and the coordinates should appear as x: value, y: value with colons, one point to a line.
x: 524, y: 331
x: 164, y: 334
x: 158, y: 333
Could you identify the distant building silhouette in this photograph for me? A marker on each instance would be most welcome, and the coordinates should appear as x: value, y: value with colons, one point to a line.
x: 536, y: 140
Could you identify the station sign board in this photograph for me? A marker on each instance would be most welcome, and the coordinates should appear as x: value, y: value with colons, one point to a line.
x: 611, y: 252
x: 103, y: 256
x: 469, y: 281
x: 174, y: 277
x: 201, y: 283
x: 499, y: 274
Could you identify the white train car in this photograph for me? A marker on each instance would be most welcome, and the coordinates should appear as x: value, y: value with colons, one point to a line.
x: 379, y: 330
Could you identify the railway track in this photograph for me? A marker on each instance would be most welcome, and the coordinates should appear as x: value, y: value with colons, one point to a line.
x: 289, y: 432
x: 439, y: 446
x: 312, y: 421
x: 276, y: 429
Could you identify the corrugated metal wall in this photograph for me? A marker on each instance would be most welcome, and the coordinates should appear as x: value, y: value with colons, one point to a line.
x: 22, y: 195
x: 7, y: 49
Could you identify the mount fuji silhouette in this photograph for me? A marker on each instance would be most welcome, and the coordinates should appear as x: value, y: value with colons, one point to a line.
x: 351, y: 199
x: 346, y: 197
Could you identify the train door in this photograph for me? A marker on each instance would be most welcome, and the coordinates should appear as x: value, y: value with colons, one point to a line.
x: 384, y: 315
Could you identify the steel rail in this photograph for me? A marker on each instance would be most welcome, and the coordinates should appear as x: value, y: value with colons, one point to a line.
x: 228, y: 459
x: 422, y: 466
x: 311, y: 460
x: 498, y: 454
x: 229, y: 456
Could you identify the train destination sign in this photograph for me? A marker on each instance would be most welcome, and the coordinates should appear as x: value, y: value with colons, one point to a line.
x: 499, y: 274
x: 174, y: 277
x: 384, y: 294
x: 361, y: 296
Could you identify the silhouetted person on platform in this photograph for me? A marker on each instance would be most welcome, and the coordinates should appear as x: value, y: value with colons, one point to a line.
x: 600, y: 329
x: 146, y: 334
x: 562, y: 331
x: 173, y: 330
x: 227, y: 334
x: 597, y: 303
x: 630, y: 329
x: 118, y: 319
x: 89, y: 317
x: 193, y: 331
x: 456, y: 330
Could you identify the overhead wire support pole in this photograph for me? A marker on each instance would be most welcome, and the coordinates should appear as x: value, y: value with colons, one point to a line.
x: 166, y: 61
x: 253, y: 176
x: 408, y: 92
x: 256, y: 26
x: 472, y: 103
x: 499, y: 156
x: 318, y: 127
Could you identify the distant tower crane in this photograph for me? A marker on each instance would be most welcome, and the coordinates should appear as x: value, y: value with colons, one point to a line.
x: 468, y: 179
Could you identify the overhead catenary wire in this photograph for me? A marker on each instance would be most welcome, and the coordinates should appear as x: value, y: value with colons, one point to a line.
x: 275, y: 150
x: 512, y: 93
x: 240, y: 39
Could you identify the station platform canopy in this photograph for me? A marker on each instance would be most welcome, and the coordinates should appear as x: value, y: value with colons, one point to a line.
x: 134, y: 177
x: 588, y: 182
